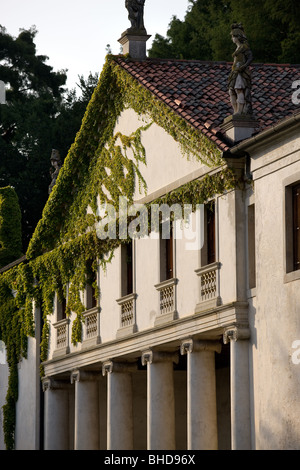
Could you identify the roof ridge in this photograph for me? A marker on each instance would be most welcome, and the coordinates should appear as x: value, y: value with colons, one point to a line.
x: 199, y: 61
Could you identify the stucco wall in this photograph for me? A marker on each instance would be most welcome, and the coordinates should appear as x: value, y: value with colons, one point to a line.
x: 165, y: 163
x: 28, y: 404
x: 275, y: 315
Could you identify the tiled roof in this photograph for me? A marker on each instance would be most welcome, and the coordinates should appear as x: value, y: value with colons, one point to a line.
x: 197, y: 91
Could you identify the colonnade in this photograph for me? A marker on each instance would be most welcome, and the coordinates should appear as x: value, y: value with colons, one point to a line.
x: 201, y: 407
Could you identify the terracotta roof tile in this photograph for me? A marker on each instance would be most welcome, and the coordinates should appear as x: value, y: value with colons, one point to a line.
x: 197, y: 91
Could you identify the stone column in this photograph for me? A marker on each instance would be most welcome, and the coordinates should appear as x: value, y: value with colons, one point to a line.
x: 86, y: 432
x: 160, y: 400
x: 119, y: 405
x: 202, y: 429
x: 56, y: 415
x: 239, y: 387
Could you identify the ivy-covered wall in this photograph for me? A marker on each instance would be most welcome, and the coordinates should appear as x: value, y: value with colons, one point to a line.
x: 65, y: 240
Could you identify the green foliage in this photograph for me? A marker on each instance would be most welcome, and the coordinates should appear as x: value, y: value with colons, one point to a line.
x: 10, y: 226
x: 39, y: 115
x: 272, y: 28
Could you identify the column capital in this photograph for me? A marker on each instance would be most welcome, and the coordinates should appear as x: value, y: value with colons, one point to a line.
x: 49, y: 383
x: 79, y: 375
x: 190, y: 345
x: 111, y: 366
x: 236, y: 333
x: 151, y: 356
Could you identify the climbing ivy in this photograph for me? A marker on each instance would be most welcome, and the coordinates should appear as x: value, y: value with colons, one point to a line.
x: 97, y: 168
x: 10, y: 226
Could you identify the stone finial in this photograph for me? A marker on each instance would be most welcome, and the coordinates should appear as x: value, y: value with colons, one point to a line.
x: 239, y: 80
x: 56, y: 164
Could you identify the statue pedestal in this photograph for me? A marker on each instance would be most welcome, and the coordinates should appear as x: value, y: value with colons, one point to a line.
x: 134, y: 43
x: 239, y: 127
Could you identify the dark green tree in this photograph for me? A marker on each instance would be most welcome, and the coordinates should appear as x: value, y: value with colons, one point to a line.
x: 40, y: 114
x: 10, y: 226
x: 34, y: 95
x: 272, y: 28
x: 72, y: 109
x: 287, y: 14
x: 192, y: 38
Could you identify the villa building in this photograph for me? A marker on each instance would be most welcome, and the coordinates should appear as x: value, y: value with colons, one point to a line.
x: 189, y: 341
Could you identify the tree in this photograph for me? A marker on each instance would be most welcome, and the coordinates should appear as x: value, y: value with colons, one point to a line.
x: 191, y: 38
x: 204, y: 34
x: 34, y: 94
x: 287, y: 13
x: 10, y: 226
x: 40, y: 115
x: 72, y: 109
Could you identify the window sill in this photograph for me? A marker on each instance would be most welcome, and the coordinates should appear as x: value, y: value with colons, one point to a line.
x: 292, y: 276
x: 167, y: 283
x: 63, y: 322
x: 208, y: 267
x: 91, y: 310
x: 126, y: 298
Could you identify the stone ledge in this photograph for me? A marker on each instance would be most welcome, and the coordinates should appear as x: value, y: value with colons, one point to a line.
x: 126, y: 331
x: 207, y: 305
x: 165, y: 318
x: 210, y: 324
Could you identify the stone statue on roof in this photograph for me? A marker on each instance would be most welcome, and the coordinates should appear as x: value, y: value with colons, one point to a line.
x: 56, y: 164
x: 239, y: 81
x: 136, y: 15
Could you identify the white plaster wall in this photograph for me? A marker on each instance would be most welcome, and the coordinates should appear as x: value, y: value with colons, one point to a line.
x: 165, y: 162
x: 27, y: 407
x: 110, y: 287
x: 226, y: 249
x: 187, y: 254
x: 147, y: 275
x: 276, y: 322
x: 28, y: 404
x: 147, y: 270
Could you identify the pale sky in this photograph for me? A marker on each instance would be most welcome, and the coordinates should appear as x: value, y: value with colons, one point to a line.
x: 74, y: 33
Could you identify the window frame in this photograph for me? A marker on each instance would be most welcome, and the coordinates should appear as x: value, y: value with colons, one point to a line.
x: 290, y: 274
x: 127, y: 269
x: 208, y: 252
x: 90, y: 298
x: 167, y: 255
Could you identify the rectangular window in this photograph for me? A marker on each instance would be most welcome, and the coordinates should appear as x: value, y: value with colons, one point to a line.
x: 296, y: 226
x: 167, y: 255
x: 91, y: 300
x: 292, y: 229
x: 211, y: 233
x: 208, y: 251
x: 61, y: 310
x: 127, y: 269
